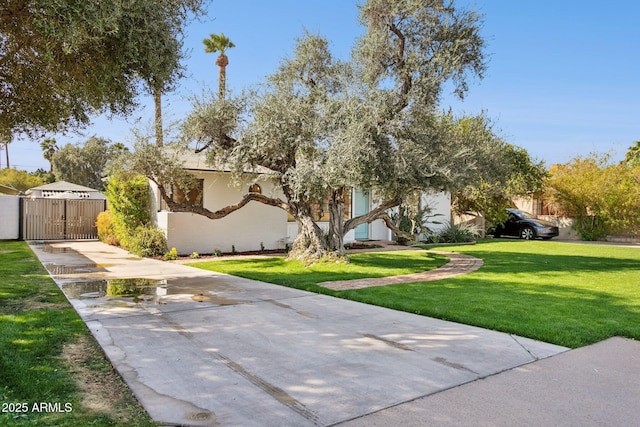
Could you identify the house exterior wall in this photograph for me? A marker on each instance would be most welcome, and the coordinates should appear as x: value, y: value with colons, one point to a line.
x: 244, y: 229
x: 440, y: 204
x: 255, y: 225
x: 10, y: 214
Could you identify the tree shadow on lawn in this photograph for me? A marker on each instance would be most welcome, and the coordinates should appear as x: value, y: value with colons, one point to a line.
x: 293, y: 274
x: 523, y: 262
x: 560, y: 314
x: 416, y: 260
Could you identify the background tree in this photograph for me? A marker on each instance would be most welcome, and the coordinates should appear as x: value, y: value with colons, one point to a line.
x: 219, y: 43
x: 47, y: 177
x: 5, y: 139
x: 632, y: 156
x: 49, y: 148
x: 19, y: 179
x: 62, y: 61
x: 604, y: 198
x: 85, y: 164
x: 511, y: 175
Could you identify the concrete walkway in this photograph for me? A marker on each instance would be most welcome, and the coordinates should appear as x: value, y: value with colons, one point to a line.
x: 206, y: 349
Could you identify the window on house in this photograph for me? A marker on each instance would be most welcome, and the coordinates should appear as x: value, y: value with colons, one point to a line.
x: 192, y: 197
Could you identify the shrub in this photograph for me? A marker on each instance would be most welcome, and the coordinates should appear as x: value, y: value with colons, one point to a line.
x: 130, y: 208
x: 194, y: 255
x: 171, y: 255
x: 456, y: 233
x: 106, y: 233
x: 148, y: 242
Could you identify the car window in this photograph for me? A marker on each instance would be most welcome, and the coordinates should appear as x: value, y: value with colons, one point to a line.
x: 522, y: 215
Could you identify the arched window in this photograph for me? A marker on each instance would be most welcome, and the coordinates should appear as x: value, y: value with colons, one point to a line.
x: 255, y: 188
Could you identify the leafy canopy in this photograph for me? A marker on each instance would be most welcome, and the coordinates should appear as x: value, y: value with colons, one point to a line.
x: 61, y: 61
x: 321, y: 126
x: 86, y: 164
x: 602, y: 196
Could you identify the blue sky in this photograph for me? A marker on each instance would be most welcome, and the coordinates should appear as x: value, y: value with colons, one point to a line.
x: 562, y: 78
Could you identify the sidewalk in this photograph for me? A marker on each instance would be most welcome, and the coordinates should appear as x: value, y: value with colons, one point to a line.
x: 199, y: 348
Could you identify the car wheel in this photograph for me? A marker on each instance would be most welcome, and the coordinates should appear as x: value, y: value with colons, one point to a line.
x: 527, y: 233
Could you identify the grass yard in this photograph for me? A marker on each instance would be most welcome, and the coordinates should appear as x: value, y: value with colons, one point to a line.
x: 563, y: 293
x: 295, y: 275
x: 52, y: 372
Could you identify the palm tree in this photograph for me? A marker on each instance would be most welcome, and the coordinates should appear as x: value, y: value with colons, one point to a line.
x: 219, y: 43
x: 5, y: 139
x: 49, y: 148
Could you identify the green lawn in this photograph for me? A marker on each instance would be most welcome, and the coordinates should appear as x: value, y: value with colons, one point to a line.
x: 562, y: 293
x: 46, y: 352
x: 294, y: 274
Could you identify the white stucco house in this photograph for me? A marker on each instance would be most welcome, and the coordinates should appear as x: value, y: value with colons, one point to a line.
x: 255, y: 225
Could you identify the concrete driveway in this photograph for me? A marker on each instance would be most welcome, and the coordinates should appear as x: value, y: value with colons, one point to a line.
x: 202, y: 348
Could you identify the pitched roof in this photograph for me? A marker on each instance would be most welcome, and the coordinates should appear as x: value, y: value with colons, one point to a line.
x: 7, y: 189
x: 63, y: 186
x: 198, y: 162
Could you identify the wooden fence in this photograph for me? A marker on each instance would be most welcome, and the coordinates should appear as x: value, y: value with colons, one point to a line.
x: 60, y: 219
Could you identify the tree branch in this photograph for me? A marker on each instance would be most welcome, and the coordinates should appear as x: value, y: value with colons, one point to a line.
x: 400, y: 62
x: 225, y: 142
x: 378, y: 213
x: 221, y: 213
x: 402, y: 235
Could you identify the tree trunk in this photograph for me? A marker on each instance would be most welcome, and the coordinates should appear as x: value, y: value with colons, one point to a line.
x: 336, y: 222
x: 310, y: 245
x: 157, y: 102
x: 222, y: 62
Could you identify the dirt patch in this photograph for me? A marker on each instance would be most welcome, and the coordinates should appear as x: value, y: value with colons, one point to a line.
x: 102, y: 390
x: 31, y: 304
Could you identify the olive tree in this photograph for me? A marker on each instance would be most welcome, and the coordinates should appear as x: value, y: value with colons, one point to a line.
x: 321, y: 126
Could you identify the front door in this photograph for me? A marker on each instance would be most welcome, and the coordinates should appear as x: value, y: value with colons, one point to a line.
x: 361, y: 207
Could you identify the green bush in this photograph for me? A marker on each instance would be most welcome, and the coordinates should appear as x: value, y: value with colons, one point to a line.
x: 171, y: 255
x: 148, y: 242
x: 130, y: 206
x: 106, y: 232
x: 456, y: 233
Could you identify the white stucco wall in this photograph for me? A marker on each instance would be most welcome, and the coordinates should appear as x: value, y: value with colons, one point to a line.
x: 10, y: 214
x: 440, y: 204
x: 244, y: 229
x: 254, y: 224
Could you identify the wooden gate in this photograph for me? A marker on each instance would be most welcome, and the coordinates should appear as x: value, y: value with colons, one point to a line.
x: 60, y: 219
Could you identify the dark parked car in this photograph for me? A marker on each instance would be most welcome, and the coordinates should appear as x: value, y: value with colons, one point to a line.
x: 525, y: 226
